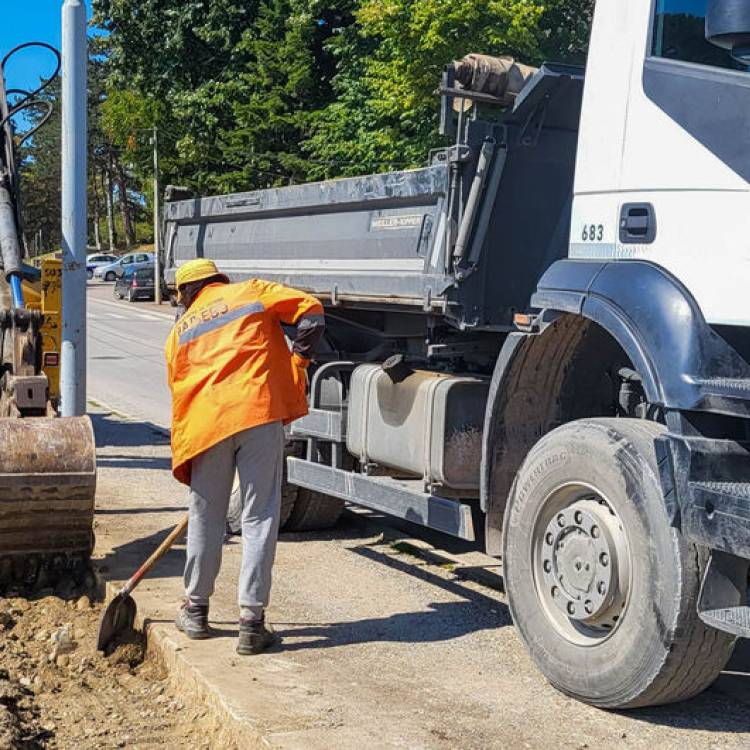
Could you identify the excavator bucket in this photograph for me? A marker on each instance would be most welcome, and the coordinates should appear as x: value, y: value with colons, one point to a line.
x: 47, y: 486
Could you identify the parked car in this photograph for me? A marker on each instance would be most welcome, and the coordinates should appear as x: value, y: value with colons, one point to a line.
x: 118, y: 268
x: 137, y: 283
x: 98, y: 259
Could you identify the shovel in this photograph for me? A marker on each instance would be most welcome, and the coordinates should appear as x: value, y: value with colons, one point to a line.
x: 119, y: 617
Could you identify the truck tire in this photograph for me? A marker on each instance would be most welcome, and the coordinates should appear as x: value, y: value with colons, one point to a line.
x: 314, y: 511
x: 601, y: 587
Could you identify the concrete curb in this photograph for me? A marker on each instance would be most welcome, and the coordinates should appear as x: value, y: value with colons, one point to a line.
x: 223, y: 722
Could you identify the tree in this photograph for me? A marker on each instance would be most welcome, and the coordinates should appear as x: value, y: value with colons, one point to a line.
x: 390, y: 63
x: 40, y: 164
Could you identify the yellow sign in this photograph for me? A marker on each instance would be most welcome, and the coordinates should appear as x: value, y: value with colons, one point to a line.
x: 51, y: 303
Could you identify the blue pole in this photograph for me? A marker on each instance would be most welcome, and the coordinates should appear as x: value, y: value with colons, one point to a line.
x: 74, y: 208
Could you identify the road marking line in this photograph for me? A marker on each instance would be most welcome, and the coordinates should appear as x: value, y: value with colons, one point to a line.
x: 152, y: 313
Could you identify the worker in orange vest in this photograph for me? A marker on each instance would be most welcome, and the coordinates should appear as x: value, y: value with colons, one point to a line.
x: 235, y: 384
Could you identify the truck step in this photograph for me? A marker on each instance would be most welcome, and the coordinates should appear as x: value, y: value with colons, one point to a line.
x: 735, y: 620
x: 735, y: 490
x: 736, y: 385
x: 402, y: 499
x: 722, y: 603
x: 322, y: 424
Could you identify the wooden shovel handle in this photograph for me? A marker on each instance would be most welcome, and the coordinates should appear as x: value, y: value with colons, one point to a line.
x: 162, y: 550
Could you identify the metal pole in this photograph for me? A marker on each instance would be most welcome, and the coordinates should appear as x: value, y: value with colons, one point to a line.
x: 157, y: 237
x: 74, y: 209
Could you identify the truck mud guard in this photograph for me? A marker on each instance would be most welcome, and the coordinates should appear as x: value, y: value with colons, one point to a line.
x: 685, y: 365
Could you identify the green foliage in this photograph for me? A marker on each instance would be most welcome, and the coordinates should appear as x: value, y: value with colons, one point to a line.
x: 40, y: 163
x: 390, y: 64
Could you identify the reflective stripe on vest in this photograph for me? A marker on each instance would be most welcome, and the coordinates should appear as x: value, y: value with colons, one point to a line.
x: 211, y: 325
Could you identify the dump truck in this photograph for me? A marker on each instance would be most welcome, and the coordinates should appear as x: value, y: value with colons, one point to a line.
x: 541, y: 341
x: 47, y: 463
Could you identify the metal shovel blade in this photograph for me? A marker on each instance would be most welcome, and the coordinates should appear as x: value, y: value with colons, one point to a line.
x: 119, y: 617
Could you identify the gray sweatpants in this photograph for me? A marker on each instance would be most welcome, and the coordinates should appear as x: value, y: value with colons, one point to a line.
x: 257, y: 455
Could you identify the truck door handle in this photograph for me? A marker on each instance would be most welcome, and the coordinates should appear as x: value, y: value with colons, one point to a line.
x: 637, y: 223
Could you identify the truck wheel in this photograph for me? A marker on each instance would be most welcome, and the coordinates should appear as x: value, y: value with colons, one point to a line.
x: 314, y: 511
x: 602, y: 589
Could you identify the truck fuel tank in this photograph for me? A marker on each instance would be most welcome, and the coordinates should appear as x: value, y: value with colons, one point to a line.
x: 428, y: 425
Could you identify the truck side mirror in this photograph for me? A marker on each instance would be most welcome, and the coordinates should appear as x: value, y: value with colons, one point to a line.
x: 728, y: 27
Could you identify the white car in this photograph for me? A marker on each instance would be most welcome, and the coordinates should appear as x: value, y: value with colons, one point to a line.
x: 115, y: 270
x: 97, y: 259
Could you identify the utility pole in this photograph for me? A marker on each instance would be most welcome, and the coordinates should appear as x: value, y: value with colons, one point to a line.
x: 157, y: 228
x: 74, y: 209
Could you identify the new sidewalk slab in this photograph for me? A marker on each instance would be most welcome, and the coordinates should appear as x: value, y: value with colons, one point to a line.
x: 381, y: 647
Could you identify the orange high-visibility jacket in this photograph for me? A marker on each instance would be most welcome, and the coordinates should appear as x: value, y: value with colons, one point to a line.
x: 229, y: 366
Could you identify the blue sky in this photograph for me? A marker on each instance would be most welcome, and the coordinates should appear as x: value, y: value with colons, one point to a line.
x: 29, y: 21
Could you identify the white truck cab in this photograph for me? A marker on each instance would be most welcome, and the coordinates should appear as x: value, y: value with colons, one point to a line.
x: 664, y: 152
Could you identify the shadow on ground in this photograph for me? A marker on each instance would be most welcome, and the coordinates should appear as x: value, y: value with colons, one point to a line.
x: 113, y: 431
x: 134, y: 462
x: 442, y: 621
x: 121, y: 562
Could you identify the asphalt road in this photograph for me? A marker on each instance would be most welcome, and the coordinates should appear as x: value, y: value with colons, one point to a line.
x: 126, y: 368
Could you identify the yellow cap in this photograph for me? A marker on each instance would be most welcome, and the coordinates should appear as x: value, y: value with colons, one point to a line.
x: 197, y: 270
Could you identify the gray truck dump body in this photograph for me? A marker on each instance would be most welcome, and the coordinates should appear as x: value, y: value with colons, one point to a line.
x: 378, y: 236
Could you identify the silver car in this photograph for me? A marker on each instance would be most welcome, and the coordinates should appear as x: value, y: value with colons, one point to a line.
x: 98, y: 259
x: 131, y: 260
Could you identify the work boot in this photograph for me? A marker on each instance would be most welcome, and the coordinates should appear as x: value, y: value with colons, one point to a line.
x: 192, y: 620
x: 255, y: 637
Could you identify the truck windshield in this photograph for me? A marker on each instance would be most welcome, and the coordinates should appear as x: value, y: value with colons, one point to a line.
x: 679, y: 34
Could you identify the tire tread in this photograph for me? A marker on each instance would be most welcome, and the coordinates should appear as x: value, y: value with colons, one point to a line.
x: 696, y: 658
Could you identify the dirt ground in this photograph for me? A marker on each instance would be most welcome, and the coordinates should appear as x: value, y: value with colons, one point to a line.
x: 57, y: 691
